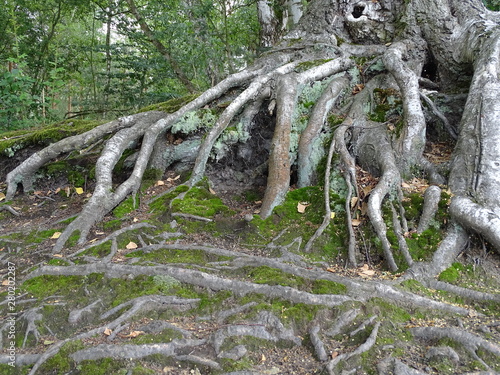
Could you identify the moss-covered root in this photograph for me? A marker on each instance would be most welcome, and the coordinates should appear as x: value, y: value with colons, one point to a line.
x: 471, y: 342
x: 140, y: 304
x: 367, y: 345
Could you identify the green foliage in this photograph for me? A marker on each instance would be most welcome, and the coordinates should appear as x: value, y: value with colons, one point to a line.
x: 492, y: 4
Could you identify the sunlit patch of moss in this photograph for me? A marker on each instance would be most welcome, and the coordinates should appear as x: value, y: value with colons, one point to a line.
x: 171, y: 105
x: 451, y: 274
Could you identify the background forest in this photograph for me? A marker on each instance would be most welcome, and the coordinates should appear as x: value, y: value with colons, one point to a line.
x: 60, y: 59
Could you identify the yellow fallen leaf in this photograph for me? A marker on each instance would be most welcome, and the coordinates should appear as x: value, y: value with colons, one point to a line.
x: 5, y: 282
x: 107, y: 331
x: 332, y: 215
x: 263, y: 358
x: 131, y: 245
x: 301, y: 207
x: 56, y: 235
x: 57, y: 255
x: 135, y: 220
x: 212, y: 191
x: 48, y: 342
x: 2, y: 196
x: 159, y: 183
x: 79, y: 190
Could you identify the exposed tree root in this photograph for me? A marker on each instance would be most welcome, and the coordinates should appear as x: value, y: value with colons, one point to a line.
x: 370, y: 341
x: 470, y: 341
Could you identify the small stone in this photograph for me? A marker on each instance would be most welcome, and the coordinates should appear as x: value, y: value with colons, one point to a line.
x: 248, y: 217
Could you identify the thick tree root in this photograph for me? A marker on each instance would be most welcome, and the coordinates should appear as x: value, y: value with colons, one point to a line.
x: 472, y: 343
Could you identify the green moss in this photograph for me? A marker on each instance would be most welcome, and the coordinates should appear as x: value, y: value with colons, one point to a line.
x: 100, y: 251
x: 127, y: 206
x: 388, y: 311
x: 62, y: 361
x: 306, y: 65
x: 112, y: 225
x: 167, y: 335
x: 290, y: 223
x: 171, y: 105
x: 273, y: 276
x: 199, y: 201
x: 19, y: 139
x: 422, y: 246
x: 161, y: 204
x: 322, y: 286
x: 103, y: 366
x: 166, y: 256
x: 57, y: 262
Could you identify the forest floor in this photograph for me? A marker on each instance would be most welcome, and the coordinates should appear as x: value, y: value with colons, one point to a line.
x: 248, y: 299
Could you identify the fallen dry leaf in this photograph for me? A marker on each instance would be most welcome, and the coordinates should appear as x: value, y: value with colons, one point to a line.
x: 5, y: 282
x: 355, y: 222
x: 79, y: 190
x: 107, y: 331
x: 159, y: 183
x: 134, y: 334
x: 332, y: 215
x: 301, y: 207
x: 57, y: 255
x: 354, y: 201
x: 56, y: 235
x: 212, y: 191
x: 2, y: 196
x: 131, y: 245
